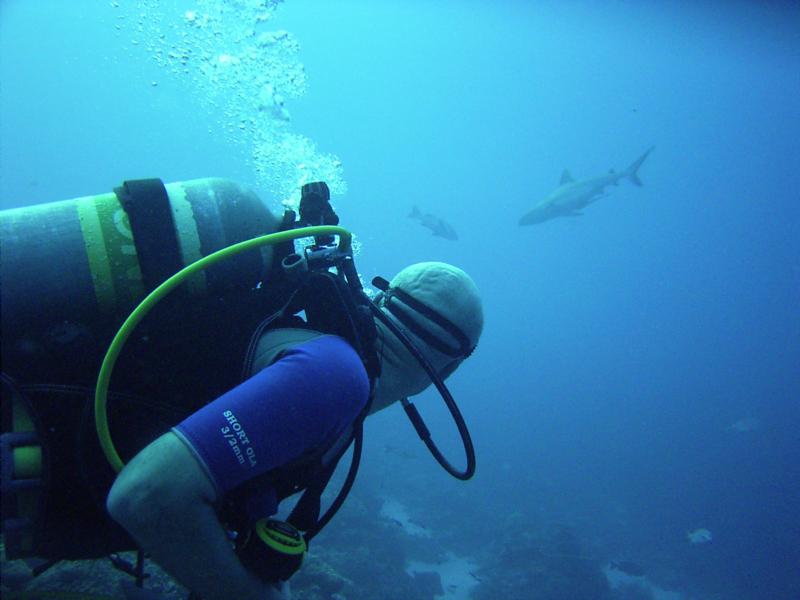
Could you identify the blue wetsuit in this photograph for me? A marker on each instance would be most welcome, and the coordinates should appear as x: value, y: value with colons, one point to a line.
x: 301, y: 402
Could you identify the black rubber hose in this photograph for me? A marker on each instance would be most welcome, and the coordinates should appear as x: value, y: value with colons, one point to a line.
x: 414, y: 415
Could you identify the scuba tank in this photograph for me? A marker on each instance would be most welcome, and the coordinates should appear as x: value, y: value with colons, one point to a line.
x: 70, y: 272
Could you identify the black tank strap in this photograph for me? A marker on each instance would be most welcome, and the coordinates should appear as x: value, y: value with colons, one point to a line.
x: 147, y: 204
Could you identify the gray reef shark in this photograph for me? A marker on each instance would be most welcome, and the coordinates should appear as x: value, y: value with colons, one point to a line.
x: 438, y: 226
x: 571, y: 196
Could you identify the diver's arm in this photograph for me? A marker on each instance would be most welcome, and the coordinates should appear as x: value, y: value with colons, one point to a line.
x: 165, y: 500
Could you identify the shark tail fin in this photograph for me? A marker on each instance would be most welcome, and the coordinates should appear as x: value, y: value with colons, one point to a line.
x: 632, y: 172
x: 415, y: 213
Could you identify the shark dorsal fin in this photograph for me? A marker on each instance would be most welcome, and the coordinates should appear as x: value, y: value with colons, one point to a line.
x: 565, y: 177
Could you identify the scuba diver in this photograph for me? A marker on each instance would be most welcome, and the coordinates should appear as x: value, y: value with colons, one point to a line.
x: 216, y: 432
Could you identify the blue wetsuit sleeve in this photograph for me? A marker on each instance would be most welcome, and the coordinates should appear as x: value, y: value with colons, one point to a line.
x: 299, y: 403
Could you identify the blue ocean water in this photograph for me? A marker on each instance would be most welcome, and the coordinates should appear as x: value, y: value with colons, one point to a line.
x: 639, y: 373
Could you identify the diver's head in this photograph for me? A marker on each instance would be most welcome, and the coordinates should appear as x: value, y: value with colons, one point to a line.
x: 439, y: 309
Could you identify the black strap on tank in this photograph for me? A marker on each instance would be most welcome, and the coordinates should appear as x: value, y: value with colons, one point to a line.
x: 154, y: 234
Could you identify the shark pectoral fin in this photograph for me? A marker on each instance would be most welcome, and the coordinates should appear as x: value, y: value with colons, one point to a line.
x: 565, y: 177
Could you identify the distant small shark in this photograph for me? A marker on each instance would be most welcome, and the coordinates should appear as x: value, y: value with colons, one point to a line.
x: 437, y: 225
x: 571, y: 196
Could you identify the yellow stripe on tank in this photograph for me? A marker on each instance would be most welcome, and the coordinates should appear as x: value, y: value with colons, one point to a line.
x: 121, y: 249
x: 188, y: 236
x: 27, y: 462
x: 96, y: 254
